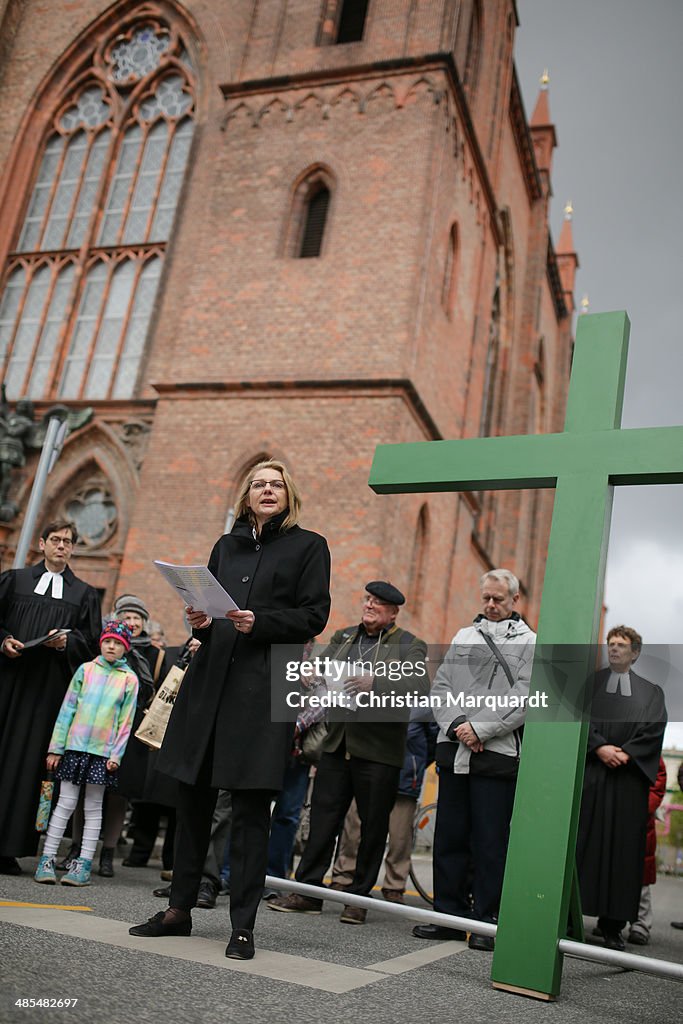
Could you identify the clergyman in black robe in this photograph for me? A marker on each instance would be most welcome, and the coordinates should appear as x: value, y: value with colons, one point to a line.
x: 628, y: 717
x: 33, y: 601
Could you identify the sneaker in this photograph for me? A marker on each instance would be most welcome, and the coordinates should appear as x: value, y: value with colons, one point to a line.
x: 353, y: 915
x: 45, y: 872
x: 393, y: 895
x: 78, y: 873
x: 65, y: 863
x: 296, y: 904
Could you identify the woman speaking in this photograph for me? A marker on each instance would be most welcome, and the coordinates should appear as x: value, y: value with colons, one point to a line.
x: 221, y: 734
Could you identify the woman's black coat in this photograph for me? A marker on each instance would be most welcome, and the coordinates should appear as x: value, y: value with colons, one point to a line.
x: 284, y: 579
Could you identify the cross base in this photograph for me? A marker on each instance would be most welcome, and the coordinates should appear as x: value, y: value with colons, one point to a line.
x: 546, y: 997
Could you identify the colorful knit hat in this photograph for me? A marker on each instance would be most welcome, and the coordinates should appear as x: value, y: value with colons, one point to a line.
x: 117, y: 630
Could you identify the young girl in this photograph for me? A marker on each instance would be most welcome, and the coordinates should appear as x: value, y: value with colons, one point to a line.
x: 93, y: 727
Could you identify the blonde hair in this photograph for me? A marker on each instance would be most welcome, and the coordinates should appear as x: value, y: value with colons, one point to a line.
x: 293, y: 497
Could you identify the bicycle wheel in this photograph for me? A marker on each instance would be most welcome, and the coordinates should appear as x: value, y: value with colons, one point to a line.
x: 421, y: 872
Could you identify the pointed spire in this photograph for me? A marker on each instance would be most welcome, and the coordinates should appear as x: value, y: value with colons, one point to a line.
x: 541, y: 115
x: 543, y: 130
x: 567, y: 260
x: 566, y: 243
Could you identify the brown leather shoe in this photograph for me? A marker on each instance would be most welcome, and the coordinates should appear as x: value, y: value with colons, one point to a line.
x: 353, y: 915
x: 296, y: 904
x: 393, y: 895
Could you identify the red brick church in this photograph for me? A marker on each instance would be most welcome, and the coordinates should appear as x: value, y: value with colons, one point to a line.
x: 301, y: 229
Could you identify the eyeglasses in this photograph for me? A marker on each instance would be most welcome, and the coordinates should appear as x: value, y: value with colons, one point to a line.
x: 374, y: 602
x: 275, y: 485
x: 67, y: 542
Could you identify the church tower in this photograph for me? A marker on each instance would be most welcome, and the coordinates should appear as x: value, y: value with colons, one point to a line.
x: 239, y: 229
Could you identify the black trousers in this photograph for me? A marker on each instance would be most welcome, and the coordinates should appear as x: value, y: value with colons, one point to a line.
x: 339, y: 779
x: 472, y: 828
x: 145, y: 824
x: 248, y: 848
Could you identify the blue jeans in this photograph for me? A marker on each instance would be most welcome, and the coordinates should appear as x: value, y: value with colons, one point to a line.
x: 285, y: 819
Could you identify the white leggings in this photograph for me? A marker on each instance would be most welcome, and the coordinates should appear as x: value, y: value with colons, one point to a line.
x: 66, y: 805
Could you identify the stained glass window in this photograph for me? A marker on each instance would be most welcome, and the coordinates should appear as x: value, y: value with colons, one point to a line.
x: 93, y: 511
x: 79, y: 288
x: 134, y: 58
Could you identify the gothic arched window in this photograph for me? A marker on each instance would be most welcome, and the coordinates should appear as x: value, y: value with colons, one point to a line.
x: 450, y: 272
x: 80, y: 284
x: 307, y: 225
x: 473, y: 56
x: 418, y: 562
x: 314, y: 222
x: 487, y: 422
x: 352, y: 21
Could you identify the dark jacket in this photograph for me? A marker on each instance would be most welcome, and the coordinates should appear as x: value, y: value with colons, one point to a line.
x: 420, y: 749
x: 380, y: 741
x: 656, y: 795
x: 225, y: 698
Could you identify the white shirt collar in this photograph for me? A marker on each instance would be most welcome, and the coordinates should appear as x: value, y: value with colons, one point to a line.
x: 50, y: 578
x: 619, y: 684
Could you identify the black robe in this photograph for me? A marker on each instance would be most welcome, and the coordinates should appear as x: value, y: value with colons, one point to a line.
x: 132, y: 774
x: 225, y: 699
x: 32, y: 688
x: 610, y: 849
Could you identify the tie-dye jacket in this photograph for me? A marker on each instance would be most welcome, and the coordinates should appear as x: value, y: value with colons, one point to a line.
x: 96, y: 715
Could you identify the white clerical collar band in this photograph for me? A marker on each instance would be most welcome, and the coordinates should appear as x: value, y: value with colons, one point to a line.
x: 54, y: 578
x: 619, y: 684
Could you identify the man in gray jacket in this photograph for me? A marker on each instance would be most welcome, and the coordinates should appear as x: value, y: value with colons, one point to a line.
x: 485, y: 673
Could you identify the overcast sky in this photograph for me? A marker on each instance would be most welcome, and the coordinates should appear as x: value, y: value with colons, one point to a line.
x: 616, y: 91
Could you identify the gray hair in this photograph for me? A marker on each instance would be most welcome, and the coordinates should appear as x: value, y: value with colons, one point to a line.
x: 502, y: 576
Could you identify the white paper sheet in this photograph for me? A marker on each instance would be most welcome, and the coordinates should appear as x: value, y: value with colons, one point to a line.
x: 198, y: 587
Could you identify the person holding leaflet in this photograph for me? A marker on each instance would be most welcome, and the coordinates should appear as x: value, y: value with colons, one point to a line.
x: 221, y: 734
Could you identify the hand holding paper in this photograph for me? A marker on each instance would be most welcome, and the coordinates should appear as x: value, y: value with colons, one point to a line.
x: 198, y: 588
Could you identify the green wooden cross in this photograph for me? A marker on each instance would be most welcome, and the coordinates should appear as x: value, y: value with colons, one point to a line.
x: 582, y: 464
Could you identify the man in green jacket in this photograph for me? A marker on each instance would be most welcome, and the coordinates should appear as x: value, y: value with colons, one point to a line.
x: 363, y: 751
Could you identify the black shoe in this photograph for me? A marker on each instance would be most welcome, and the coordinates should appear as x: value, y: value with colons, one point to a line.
x: 155, y: 927
x: 485, y: 942
x: 164, y: 892
x: 10, y: 866
x: 638, y: 938
x: 614, y: 940
x: 106, y: 862
x: 437, y: 931
x: 65, y: 863
x: 128, y: 862
x: 241, y: 945
x: 677, y: 924
x: 206, y: 897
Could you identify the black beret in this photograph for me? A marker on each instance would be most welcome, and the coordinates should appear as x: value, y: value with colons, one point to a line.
x: 385, y: 592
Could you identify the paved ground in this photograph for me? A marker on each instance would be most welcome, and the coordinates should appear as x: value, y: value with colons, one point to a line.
x: 306, y: 969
